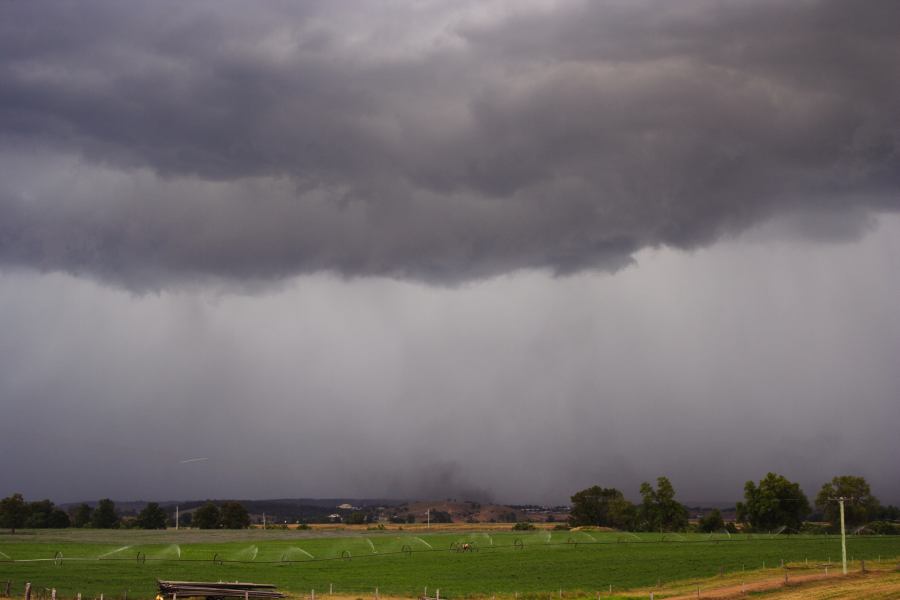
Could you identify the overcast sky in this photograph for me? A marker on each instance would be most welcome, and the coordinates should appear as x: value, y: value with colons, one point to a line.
x: 492, y: 249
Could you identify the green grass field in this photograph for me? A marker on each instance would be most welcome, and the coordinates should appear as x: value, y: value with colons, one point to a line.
x: 400, y: 563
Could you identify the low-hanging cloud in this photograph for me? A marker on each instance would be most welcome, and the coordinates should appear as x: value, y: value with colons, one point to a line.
x: 440, y: 142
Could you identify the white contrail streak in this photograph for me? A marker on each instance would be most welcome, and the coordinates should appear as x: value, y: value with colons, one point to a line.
x: 190, y: 460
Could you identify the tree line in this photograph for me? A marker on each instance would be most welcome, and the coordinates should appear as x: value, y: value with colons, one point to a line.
x: 16, y: 513
x: 773, y: 503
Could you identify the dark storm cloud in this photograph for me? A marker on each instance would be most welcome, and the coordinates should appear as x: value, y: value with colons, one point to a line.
x: 163, y: 142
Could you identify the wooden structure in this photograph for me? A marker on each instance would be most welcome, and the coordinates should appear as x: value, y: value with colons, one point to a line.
x: 172, y: 590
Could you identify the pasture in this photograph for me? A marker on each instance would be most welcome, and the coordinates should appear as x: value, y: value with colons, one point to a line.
x: 403, y: 563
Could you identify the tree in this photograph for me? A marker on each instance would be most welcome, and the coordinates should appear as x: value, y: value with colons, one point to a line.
x: 357, y: 517
x: 59, y: 519
x: 206, y: 517
x: 659, y: 511
x: 233, y: 515
x: 82, y: 515
x: 712, y: 521
x: 105, y: 516
x: 603, y: 507
x: 776, y: 502
x: 13, y: 512
x: 43, y: 514
x: 861, y: 506
x: 440, y: 516
x: 151, y: 517
x: 38, y: 514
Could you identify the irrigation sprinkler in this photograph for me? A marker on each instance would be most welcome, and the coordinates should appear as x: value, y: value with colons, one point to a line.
x: 346, y: 554
x: 216, y: 560
x: 58, y: 558
x: 141, y: 558
x: 406, y: 549
x: 518, y: 544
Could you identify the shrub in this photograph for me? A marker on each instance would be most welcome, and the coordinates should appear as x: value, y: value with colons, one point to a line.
x: 523, y: 526
x: 882, y: 528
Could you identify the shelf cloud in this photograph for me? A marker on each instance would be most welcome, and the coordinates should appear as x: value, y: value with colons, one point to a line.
x: 439, y: 142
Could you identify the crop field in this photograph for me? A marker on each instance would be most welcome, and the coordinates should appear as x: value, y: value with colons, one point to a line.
x: 403, y: 563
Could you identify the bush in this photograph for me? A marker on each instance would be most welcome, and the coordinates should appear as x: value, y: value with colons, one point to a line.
x: 813, y: 528
x: 523, y: 526
x: 882, y: 528
x: 561, y: 527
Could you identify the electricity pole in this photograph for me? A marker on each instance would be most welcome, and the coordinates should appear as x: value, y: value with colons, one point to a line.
x: 176, y: 517
x: 428, y: 519
x: 843, y: 536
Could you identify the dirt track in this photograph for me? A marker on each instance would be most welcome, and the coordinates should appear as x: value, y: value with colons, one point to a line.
x: 874, y: 584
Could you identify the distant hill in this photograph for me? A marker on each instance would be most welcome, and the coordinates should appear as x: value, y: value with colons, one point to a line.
x: 317, y: 510
x: 291, y: 510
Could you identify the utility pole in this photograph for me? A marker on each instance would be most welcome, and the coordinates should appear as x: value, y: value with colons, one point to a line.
x: 843, y: 535
x: 428, y: 518
x: 176, y: 517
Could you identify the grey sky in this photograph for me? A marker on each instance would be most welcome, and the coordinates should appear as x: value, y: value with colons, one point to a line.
x: 447, y: 248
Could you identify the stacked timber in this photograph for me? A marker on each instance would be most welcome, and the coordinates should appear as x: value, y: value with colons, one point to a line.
x: 208, y: 589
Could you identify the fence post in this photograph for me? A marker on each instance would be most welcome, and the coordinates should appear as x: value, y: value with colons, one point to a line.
x: 9, y: 583
x: 53, y: 594
x: 862, y: 565
x: 28, y: 591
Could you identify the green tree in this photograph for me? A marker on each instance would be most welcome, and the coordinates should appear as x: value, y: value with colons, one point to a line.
x: 233, y: 515
x: 712, y: 521
x: 206, y: 517
x: 775, y: 502
x: 58, y: 519
x: 105, y: 516
x: 43, y: 514
x: 38, y: 514
x: 13, y: 512
x: 604, y: 507
x: 151, y: 517
x: 357, y: 517
x: 659, y: 511
x: 82, y: 515
x: 859, y: 508
x: 441, y: 516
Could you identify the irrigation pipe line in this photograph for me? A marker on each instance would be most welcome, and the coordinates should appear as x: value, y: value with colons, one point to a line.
x: 218, y: 560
